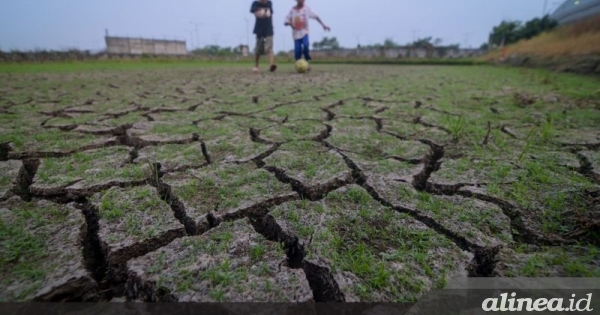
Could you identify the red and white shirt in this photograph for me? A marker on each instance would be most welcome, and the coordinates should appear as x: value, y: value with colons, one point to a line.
x: 299, y: 20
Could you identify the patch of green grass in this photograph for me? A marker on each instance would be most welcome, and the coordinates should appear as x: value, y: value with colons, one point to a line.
x: 263, y: 269
x: 5, y: 181
x: 109, y: 208
x: 224, y: 186
x: 186, y: 280
x: 217, y: 294
x: 224, y: 275
x: 24, y: 249
x: 307, y: 159
x: 90, y: 166
x: 581, y: 263
x: 159, y: 263
x: 366, y: 239
x: 547, y: 129
x: 25, y: 139
x: 111, y: 65
x: 176, y: 129
x: 357, y: 260
x: 18, y: 243
x: 140, y: 210
x: 358, y: 196
x: 456, y: 127
x: 429, y: 203
x: 190, y: 188
x: 223, y: 238
x: 133, y: 224
x: 257, y: 252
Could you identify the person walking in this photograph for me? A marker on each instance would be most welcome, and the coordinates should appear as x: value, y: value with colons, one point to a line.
x: 263, y: 29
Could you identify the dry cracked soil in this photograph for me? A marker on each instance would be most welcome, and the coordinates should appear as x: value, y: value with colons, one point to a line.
x: 350, y: 183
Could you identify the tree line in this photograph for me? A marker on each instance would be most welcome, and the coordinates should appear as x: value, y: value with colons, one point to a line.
x: 331, y: 43
x: 507, y: 32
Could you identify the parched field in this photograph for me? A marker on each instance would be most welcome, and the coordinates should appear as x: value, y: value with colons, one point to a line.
x: 350, y: 183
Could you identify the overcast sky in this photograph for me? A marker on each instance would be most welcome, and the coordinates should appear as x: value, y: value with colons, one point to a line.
x: 64, y: 24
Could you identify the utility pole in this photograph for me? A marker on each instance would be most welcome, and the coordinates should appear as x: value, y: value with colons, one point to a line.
x: 216, y: 38
x: 552, y: 6
x: 197, y: 34
x: 415, y: 32
x: 545, y: 6
x: 467, y: 39
x: 191, y: 32
x: 247, y: 33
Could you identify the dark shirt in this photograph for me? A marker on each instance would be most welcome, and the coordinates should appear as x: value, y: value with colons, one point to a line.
x: 263, y: 26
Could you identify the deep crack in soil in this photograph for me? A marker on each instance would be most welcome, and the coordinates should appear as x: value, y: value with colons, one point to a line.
x: 4, y: 150
x: 95, y: 258
x: 313, y: 193
x: 320, y: 279
x: 25, y: 178
x: 431, y: 163
x: 361, y: 180
x: 587, y: 169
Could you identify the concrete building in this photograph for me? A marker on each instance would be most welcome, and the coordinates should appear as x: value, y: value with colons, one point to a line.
x: 575, y: 10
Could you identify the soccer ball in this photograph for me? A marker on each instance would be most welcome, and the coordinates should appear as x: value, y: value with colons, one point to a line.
x: 301, y: 66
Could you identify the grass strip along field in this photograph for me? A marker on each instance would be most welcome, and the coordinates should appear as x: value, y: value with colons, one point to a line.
x: 192, y: 182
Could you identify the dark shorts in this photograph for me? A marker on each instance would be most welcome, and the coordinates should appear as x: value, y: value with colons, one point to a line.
x: 264, y: 45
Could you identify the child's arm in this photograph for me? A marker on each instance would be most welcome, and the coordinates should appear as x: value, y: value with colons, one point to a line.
x: 288, y: 20
x: 313, y: 15
x: 290, y: 24
x: 325, y: 27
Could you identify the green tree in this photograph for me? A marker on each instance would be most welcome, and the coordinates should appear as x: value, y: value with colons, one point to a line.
x: 422, y: 42
x: 215, y: 50
x: 327, y: 44
x: 536, y: 27
x: 513, y: 31
x: 505, y: 32
x: 389, y: 43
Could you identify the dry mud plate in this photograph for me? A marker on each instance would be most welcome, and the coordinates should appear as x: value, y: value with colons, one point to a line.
x: 351, y: 183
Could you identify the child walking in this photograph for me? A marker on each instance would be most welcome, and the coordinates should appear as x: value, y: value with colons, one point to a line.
x: 298, y: 20
x: 263, y: 28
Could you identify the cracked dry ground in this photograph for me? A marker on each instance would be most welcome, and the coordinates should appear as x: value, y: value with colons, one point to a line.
x: 352, y: 183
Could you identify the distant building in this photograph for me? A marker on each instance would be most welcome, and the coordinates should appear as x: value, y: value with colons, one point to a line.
x: 575, y: 10
x: 139, y: 46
